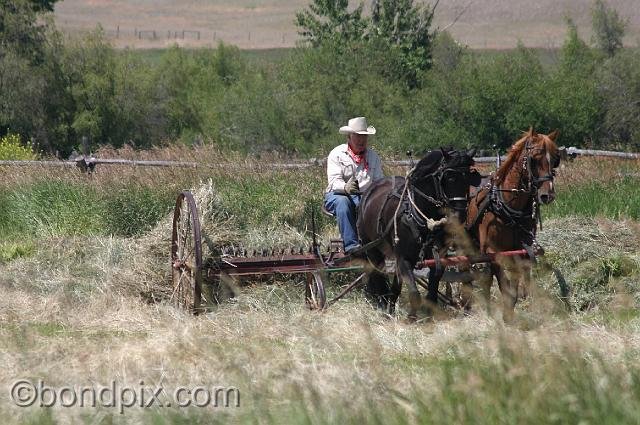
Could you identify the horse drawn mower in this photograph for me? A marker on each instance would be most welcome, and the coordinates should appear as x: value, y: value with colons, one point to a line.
x: 196, y: 280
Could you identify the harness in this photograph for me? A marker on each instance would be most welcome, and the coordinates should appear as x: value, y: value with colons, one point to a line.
x: 494, y: 201
x: 408, y: 211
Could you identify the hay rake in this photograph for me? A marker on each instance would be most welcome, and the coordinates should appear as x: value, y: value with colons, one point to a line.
x: 197, y: 282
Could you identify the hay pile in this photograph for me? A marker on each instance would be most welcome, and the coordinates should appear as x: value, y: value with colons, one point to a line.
x: 598, y: 258
x: 150, y: 269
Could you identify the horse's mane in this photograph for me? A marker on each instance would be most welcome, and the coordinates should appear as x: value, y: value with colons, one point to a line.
x: 516, y: 150
x: 427, y: 165
x: 431, y: 161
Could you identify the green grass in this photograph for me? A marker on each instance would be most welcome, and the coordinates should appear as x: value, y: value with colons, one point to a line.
x: 258, y: 200
x: 615, y: 199
x: 131, y: 211
x: 63, y: 208
x: 11, y: 250
x: 48, y: 208
x: 78, y: 207
x: 547, y: 56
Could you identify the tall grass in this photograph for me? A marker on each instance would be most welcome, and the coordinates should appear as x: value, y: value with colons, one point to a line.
x: 63, y: 208
x: 128, y: 201
x: 614, y: 199
x: 48, y: 208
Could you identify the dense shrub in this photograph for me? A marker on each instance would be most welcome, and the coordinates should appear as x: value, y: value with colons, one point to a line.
x: 619, y: 87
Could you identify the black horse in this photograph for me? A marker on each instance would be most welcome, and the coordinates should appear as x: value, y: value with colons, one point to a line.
x: 406, y: 217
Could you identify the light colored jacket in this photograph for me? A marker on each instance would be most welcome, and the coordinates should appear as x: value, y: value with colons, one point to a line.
x: 341, y: 167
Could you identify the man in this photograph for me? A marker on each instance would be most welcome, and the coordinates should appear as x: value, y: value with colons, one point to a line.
x: 351, y: 168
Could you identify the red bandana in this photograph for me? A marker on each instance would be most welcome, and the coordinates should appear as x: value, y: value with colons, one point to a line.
x: 358, y: 158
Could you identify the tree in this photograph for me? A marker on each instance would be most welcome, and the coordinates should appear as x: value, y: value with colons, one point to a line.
x: 608, y: 27
x: 395, y: 27
x: 20, y: 31
x: 22, y: 51
x: 573, y: 103
x: 326, y: 20
x: 619, y: 85
x: 576, y: 55
x: 406, y: 27
x: 447, y: 52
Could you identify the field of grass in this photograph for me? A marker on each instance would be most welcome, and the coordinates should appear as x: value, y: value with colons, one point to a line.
x: 250, y: 24
x: 80, y: 256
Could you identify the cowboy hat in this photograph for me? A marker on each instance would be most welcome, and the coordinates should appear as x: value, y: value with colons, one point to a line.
x: 357, y: 125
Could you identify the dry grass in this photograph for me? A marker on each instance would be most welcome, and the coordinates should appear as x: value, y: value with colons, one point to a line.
x: 598, y: 260
x: 494, y: 24
x: 589, y: 170
x: 71, y: 313
x: 266, y: 343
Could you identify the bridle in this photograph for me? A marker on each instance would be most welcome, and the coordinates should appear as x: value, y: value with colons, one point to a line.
x: 529, y: 187
x: 533, y: 183
x: 442, y: 200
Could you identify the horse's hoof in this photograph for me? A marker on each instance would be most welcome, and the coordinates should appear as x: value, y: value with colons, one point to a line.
x: 411, y: 319
x: 508, y: 318
x: 388, y: 316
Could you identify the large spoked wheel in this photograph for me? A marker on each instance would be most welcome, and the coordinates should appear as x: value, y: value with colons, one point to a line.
x: 186, y: 255
x: 315, y: 297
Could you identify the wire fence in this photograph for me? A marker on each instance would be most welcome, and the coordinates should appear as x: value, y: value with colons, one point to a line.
x: 196, y: 35
x: 89, y: 163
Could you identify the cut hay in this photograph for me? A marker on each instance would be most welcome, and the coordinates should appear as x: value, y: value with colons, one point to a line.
x: 150, y: 262
x: 597, y: 258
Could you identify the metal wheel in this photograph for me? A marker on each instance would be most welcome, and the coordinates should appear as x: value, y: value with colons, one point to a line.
x: 186, y: 255
x: 315, y: 297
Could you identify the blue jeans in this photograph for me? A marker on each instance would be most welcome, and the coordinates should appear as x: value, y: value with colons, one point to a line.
x: 344, y: 208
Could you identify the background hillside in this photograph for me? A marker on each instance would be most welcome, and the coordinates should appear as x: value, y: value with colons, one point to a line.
x: 267, y: 24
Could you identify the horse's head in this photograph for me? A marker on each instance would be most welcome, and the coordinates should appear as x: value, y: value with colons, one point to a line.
x: 542, y: 157
x: 533, y: 158
x: 447, y: 174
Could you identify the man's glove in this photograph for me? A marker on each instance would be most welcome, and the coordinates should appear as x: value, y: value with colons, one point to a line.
x: 352, y: 187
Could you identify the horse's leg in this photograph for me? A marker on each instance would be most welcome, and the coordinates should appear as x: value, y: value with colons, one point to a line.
x: 466, y: 296
x: 404, y: 272
x: 507, y: 291
x: 484, y: 277
x: 435, y: 274
x: 378, y: 289
x: 523, y: 268
x: 466, y: 288
x: 396, y: 289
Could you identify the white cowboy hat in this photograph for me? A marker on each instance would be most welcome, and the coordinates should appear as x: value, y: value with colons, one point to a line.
x: 357, y: 125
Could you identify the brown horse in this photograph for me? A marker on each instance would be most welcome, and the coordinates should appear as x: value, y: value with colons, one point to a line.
x: 404, y: 219
x: 503, y: 214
